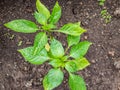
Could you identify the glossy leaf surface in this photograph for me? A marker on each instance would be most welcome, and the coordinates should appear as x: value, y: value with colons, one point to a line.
x: 76, y: 82
x: 76, y: 65
x: 72, y: 29
x: 40, y: 42
x: 40, y: 18
x: 42, y: 9
x: 22, y: 25
x: 79, y: 50
x: 56, y: 49
x: 37, y: 59
x: 53, y: 79
x: 72, y: 40
x: 56, y: 14
x: 48, y: 27
x: 56, y: 63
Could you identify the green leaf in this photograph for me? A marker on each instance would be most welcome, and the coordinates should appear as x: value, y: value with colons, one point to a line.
x: 40, y: 18
x: 56, y: 14
x: 48, y: 27
x: 71, y: 66
x: 40, y: 42
x: 56, y: 49
x: 72, y: 29
x: 76, y: 82
x: 40, y: 58
x: 81, y: 63
x: 80, y: 49
x: 26, y: 52
x: 37, y: 59
x: 72, y: 40
x: 53, y: 79
x: 22, y: 25
x: 42, y: 9
x: 56, y: 63
x: 76, y: 65
x: 64, y: 58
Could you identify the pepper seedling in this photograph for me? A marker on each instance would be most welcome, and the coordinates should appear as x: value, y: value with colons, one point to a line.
x: 48, y: 49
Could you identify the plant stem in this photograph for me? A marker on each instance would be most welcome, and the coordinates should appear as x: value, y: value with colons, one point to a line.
x: 66, y: 49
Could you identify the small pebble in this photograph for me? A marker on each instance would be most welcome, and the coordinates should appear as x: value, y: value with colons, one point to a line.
x: 28, y: 42
x: 112, y: 53
x: 25, y: 68
x: 86, y: 37
x: 117, y: 64
x: 28, y: 84
x: 117, y: 12
x: 92, y: 61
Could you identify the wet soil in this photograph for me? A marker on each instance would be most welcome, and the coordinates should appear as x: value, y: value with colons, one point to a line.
x: 104, y: 54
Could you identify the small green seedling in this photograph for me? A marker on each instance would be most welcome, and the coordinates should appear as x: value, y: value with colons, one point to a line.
x: 47, y: 49
x: 101, y: 2
x: 105, y: 15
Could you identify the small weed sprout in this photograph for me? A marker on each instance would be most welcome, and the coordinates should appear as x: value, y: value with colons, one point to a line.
x: 101, y: 2
x: 105, y: 15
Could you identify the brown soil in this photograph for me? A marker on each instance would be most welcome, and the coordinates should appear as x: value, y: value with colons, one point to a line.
x: 104, y: 54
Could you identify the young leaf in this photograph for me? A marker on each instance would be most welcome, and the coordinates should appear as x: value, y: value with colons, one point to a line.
x: 71, y: 66
x: 76, y: 65
x: 26, y: 52
x: 64, y: 58
x: 40, y: 18
x: 37, y: 59
x: 40, y: 58
x: 56, y: 14
x: 56, y: 63
x: 72, y: 29
x: 42, y: 9
x: 76, y: 82
x: 56, y: 49
x: 82, y: 63
x: 40, y: 42
x: 47, y: 47
x: 48, y: 27
x: 72, y: 40
x: 80, y: 49
x: 22, y: 25
x: 53, y: 79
